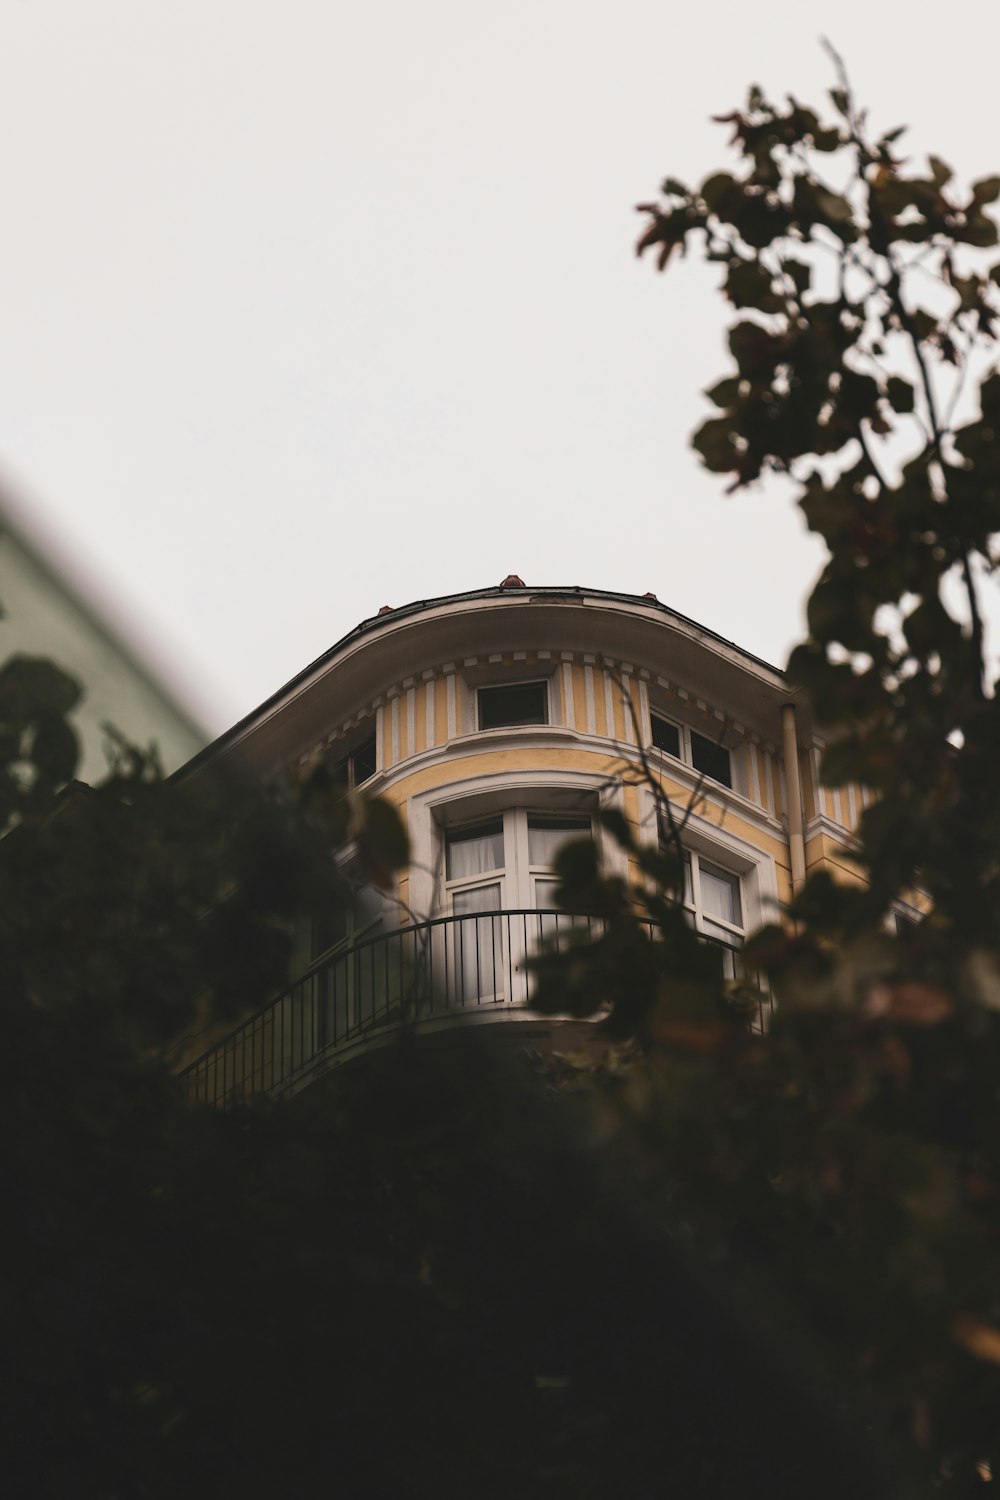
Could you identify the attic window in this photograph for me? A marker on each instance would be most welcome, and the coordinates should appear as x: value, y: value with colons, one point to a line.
x: 363, y: 762
x: 519, y: 703
x: 666, y: 736
x: 682, y: 743
x: 711, y: 759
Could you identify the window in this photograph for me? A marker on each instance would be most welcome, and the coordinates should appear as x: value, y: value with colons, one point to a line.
x: 363, y: 763
x: 711, y: 759
x: 713, y: 900
x: 353, y: 919
x: 518, y: 703
x: 507, y: 860
x: 706, y: 756
x: 666, y: 736
x: 349, y: 992
x: 545, y: 838
x: 502, y: 865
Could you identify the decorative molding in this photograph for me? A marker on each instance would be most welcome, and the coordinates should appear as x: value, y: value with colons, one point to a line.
x: 452, y: 702
x: 569, y: 708
x: 823, y: 824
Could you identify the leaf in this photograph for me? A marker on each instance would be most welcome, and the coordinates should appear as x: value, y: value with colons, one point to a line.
x: 714, y: 440
x: 753, y: 348
x: 978, y: 1338
x: 827, y: 139
x: 55, y: 749
x: 840, y: 103
x: 619, y: 827
x: 383, y: 842
x: 726, y: 392
x: 986, y: 190
x: 749, y: 284
x: 716, y: 189
x: 32, y: 687
x: 940, y: 170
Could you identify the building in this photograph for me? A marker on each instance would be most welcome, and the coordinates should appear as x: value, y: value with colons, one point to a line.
x: 498, y: 721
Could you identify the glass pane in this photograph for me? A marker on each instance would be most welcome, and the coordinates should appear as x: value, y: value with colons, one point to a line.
x: 479, y: 898
x: 368, y: 904
x: 711, y: 759
x: 521, y: 703
x: 477, y: 963
x: 666, y: 736
x: 545, y: 894
x: 547, y: 835
x: 475, y: 851
x: 720, y: 895
x: 363, y: 761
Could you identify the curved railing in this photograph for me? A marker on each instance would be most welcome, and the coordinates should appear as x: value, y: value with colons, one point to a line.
x: 448, y: 967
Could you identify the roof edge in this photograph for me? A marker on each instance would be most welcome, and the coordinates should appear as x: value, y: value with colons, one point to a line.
x: 387, y: 616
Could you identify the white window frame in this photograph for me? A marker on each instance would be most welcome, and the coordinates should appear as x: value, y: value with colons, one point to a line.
x: 541, y: 680
x: 518, y: 877
x: 694, y: 904
x: 548, y: 792
x: 686, y: 757
x: 346, y: 750
x: 718, y: 845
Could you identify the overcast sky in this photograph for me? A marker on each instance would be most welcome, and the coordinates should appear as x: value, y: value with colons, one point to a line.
x: 313, y: 307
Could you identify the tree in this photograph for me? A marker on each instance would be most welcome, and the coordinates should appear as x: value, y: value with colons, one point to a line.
x: 853, y: 1154
x: 777, y: 1269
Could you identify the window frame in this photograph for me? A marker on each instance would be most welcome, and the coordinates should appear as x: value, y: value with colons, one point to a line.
x: 518, y: 877
x: 686, y: 755
x: 694, y: 902
x: 346, y: 759
x: 753, y: 865
x: 543, y: 683
x: 369, y: 739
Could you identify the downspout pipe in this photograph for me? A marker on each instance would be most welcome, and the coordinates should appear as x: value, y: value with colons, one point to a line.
x: 796, y: 839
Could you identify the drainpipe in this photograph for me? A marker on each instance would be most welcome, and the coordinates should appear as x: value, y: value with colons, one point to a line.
x: 796, y: 841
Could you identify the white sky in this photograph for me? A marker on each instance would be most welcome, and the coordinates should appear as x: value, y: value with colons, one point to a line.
x: 312, y: 307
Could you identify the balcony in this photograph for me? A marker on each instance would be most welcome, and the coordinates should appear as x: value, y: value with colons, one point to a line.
x: 468, y: 968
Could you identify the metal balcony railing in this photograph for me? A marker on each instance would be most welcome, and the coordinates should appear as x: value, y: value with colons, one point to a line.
x: 449, y: 967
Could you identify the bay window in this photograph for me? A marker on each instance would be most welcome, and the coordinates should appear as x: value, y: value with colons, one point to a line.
x: 495, y: 867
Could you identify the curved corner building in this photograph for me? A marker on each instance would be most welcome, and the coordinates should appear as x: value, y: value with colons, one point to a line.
x: 498, y: 721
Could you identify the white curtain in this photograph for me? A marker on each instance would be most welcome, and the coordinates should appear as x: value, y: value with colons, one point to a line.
x: 477, y: 852
x: 479, y: 898
x: 546, y: 836
x: 720, y: 895
x: 479, y: 946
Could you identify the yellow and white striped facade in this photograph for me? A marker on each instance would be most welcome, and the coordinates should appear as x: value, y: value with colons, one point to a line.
x: 609, y: 662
